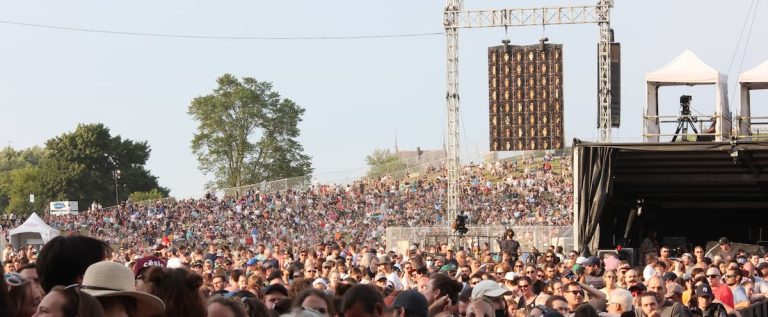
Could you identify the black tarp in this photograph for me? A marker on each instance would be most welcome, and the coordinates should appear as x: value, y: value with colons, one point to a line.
x: 595, y: 179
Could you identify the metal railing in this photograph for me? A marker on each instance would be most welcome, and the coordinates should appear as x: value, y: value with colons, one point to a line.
x: 298, y: 183
x: 539, y: 237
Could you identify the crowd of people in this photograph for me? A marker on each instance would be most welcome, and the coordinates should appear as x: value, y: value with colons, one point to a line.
x: 526, y: 192
x: 76, y: 275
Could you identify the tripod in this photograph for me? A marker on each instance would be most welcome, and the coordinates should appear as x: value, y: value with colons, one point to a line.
x: 683, y: 122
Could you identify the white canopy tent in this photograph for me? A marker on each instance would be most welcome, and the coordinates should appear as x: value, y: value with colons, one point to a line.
x: 33, y: 231
x: 755, y: 78
x: 686, y: 69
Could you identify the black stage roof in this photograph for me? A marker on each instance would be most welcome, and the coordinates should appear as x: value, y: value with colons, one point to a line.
x: 685, y: 175
x: 696, y: 190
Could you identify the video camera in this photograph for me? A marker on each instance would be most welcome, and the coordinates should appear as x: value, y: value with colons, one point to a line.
x: 460, y: 224
x: 685, y: 105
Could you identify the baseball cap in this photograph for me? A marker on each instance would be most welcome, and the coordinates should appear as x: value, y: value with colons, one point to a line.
x: 380, y: 277
x: 581, y: 260
x: 252, y: 261
x: 704, y: 290
x: 510, y: 276
x: 276, y: 288
x: 669, y: 276
x: 713, y: 271
x: 448, y: 267
x: 592, y: 260
x: 673, y: 290
x: 415, y: 303
x: 637, y: 288
x: 197, y: 263
x: 488, y: 288
x: 723, y: 240
x: 146, y: 262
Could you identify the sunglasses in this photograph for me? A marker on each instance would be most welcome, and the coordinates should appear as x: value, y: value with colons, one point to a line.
x: 713, y: 276
x: 523, y: 285
x: 729, y: 276
x: 14, y: 279
x: 575, y: 293
x: 311, y: 271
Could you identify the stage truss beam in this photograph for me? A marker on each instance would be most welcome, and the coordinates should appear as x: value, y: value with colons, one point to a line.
x: 455, y: 18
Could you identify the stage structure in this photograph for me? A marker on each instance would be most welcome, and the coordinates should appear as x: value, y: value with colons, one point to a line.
x: 525, y: 97
x: 455, y: 18
x: 686, y: 69
x: 753, y: 79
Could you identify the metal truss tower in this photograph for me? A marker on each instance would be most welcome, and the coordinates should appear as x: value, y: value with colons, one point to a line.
x: 455, y: 18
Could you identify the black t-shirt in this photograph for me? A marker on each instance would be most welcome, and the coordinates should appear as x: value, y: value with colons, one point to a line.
x: 509, y: 245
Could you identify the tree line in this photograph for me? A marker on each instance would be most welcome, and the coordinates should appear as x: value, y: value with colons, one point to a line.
x: 246, y: 134
x: 81, y: 166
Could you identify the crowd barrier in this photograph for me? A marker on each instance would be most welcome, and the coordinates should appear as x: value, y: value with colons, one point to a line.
x: 539, y: 237
x: 759, y: 309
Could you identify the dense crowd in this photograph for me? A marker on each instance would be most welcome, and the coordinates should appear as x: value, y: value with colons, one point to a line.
x: 81, y: 276
x: 527, y: 192
x: 176, y: 256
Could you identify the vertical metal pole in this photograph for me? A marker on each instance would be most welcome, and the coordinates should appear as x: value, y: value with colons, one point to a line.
x: 117, y: 195
x: 576, y: 169
x: 452, y: 100
x: 604, y: 66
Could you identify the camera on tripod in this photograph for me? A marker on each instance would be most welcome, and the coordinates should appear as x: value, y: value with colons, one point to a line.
x: 685, y: 105
x: 460, y: 224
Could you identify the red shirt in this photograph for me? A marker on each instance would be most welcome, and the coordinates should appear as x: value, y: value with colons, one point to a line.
x: 724, y: 294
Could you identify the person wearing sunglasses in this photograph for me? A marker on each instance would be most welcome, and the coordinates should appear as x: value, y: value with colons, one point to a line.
x: 722, y: 292
x: 24, y: 294
x: 733, y: 280
x: 527, y: 296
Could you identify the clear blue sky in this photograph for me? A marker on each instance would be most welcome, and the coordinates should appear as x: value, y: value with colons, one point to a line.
x: 358, y: 94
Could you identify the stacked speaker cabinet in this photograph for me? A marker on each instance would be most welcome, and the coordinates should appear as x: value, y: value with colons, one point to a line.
x: 526, y: 97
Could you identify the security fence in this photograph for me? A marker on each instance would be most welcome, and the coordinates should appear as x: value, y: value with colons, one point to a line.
x: 540, y: 237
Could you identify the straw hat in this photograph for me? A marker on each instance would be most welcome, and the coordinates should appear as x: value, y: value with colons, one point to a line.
x: 108, y: 279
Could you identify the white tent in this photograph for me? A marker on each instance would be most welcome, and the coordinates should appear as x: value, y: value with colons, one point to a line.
x: 33, y: 231
x: 686, y: 69
x: 755, y: 78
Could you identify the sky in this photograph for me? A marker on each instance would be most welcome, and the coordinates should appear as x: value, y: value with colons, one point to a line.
x: 359, y: 94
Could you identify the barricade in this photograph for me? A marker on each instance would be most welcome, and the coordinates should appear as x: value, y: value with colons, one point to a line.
x: 540, y: 237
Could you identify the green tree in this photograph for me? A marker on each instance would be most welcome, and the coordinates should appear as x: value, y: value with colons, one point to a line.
x: 153, y: 194
x: 82, y: 165
x: 247, y: 133
x: 382, y: 162
x: 10, y: 160
x: 23, y: 182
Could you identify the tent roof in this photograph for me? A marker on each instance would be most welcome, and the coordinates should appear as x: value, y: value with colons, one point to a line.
x: 33, y: 224
x: 686, y: 68
x: 759, y: 74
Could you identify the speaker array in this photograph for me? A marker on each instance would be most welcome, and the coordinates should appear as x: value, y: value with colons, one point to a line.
x: 525, y: 97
